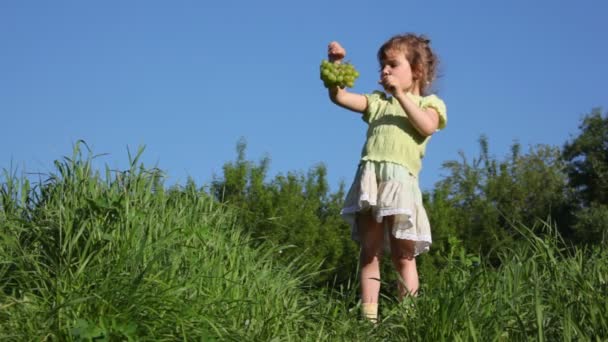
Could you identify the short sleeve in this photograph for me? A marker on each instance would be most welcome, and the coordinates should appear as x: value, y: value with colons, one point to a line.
x: 374, y: 101
x: 432, y: 101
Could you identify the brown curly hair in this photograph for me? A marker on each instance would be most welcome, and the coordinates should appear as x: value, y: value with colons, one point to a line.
x: 418, y: 53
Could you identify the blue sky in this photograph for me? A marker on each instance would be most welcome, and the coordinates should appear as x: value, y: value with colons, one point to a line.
x: 188, y: 79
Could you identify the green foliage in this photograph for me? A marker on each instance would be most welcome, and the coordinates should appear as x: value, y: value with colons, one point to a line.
x: 591, y: 224
x: 293, y: 210
x: 587, y: 157
x: 479, y: 201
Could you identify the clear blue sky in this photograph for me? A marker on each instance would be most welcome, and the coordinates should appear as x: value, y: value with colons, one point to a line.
x: 187, y: 79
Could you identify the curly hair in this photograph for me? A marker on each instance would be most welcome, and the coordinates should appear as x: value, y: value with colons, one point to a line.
x: 418, y: 53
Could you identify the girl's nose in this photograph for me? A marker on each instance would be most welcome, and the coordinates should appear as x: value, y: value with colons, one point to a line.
x: 385, y: 71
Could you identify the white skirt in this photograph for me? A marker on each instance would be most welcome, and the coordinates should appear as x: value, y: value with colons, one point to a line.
x: 386, y: 189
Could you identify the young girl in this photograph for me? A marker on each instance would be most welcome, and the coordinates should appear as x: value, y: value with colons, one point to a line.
x: 384, y: 201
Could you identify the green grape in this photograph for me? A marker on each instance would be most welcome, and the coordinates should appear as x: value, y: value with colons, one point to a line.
x: 338, y: 75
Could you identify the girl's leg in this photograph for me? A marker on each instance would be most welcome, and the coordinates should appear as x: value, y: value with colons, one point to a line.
x: 371, y: 236
x: 402, y: 256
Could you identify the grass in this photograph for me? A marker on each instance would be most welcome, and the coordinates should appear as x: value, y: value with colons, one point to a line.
x: 120, y: 257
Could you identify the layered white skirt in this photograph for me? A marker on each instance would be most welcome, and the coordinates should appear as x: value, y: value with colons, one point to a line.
x: 386, y: 189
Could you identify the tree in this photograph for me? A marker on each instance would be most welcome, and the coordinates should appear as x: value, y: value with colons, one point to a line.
x: 481, y: 201
x: 587, y: 157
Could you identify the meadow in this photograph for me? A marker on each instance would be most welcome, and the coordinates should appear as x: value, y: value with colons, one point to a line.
x: 103, y: 255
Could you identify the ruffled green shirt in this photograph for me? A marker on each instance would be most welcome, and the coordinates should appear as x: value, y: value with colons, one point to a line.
x: 390, y: 135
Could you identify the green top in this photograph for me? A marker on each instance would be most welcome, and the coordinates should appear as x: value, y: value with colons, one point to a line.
x: 390, y: 135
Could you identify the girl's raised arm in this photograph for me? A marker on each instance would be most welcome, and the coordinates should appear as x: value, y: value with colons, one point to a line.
x: 341, y: 96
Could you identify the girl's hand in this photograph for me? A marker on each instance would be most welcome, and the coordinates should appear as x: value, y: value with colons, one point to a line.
x: 335, y: 52
x: 389, y: 83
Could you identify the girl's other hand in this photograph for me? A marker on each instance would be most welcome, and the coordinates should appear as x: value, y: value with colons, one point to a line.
x: 389, y: 84
x: 335, y: 52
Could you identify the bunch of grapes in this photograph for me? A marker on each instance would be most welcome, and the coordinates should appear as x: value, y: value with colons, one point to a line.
x: 338, y: 74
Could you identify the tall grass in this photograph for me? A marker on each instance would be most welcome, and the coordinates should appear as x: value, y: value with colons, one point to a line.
x: 541, y: 291
x: 120, y: 257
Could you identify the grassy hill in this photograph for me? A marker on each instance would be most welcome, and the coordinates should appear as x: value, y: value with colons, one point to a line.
x: 120, y: 257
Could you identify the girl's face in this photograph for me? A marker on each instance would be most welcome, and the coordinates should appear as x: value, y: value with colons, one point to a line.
x: 399, y: 71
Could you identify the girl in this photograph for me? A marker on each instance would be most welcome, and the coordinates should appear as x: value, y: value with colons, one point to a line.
x: 384, y: 201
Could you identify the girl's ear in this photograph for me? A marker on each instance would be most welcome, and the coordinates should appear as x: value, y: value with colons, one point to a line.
x: 418, y: 77
x: 417, y: 73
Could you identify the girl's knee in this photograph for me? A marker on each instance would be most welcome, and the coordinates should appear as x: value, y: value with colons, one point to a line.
x: 402, y: 260
x: 402, y: 254
x: 369, y: 252
x: 372, y: 238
